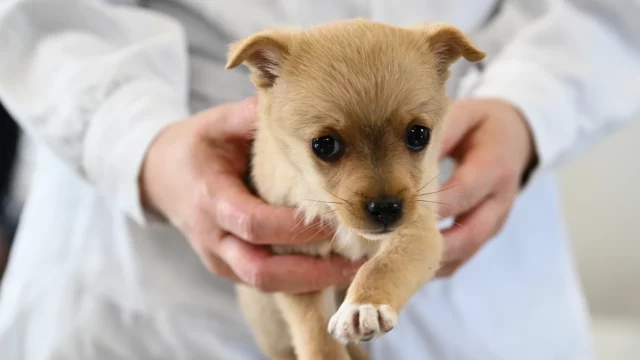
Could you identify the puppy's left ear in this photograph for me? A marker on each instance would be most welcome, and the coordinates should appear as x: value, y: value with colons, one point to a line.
x: 449, y: 44
x: 263, y: 53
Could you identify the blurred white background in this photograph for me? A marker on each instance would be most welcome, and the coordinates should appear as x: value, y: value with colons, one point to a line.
x: 602, y: 208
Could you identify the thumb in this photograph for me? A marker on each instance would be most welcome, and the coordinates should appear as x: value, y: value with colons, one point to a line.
x: 234, y: 119
x: 461, y: 118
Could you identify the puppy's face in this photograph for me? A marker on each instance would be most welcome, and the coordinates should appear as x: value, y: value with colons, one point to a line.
x: 357, y: 106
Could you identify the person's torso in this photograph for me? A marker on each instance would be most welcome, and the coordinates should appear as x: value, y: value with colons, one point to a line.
x: 68, y: 228
x: 212, y: 25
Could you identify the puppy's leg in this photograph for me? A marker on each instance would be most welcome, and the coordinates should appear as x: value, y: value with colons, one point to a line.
x: 385, y: 283
x: 356, y: 352
x: 269, y: 328
x: 307, y: 316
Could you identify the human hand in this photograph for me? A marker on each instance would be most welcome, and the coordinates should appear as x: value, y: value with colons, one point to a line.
x: 193, y: 175
x: 493, y: 147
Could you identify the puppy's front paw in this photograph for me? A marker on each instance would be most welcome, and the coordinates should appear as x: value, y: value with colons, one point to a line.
x: 361, y: 322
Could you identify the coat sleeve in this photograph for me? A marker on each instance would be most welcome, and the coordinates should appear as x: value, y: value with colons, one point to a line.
x: 93, y: 83
x: 574, y: 72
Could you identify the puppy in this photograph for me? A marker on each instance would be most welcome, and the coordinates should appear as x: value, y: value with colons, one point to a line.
x: 350, y: 123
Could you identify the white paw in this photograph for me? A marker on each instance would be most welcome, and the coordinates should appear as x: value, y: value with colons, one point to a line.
x: 361, y: 322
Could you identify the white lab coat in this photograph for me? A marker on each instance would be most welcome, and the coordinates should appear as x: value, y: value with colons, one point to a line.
x: 92, y: 276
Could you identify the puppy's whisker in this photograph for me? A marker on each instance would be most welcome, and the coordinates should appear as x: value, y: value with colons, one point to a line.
x: 437, y: 202
x: 337, y: 197
x: 440, y: 203
x: 299, y: 222
x: 433, y: 212
x: 428, y: 182
x: 325, y: 202
x: 308, y: 228
x: 302, y: 219
x: 439, y: 191
x: 325, y: 226
x: 357, y: 193
x: 333, y: 238
x: 328, y: 212
x: 442, y: 218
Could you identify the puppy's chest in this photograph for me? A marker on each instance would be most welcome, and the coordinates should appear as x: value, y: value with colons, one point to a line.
x: 345, y: 243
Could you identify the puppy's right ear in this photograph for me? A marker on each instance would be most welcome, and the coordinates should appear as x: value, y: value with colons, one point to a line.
x: 448, y: 44
x: 263, y: 53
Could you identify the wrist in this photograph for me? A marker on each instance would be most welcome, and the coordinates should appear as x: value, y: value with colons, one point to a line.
x: 529, y: 152
x: 153, y: 175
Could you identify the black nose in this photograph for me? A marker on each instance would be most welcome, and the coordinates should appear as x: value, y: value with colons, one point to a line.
x: 385, y: 210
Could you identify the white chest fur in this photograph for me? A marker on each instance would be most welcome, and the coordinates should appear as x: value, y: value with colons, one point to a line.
x: 345, y: 243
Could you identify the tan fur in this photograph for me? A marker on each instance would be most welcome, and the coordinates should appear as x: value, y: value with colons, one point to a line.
x: 365, y: 83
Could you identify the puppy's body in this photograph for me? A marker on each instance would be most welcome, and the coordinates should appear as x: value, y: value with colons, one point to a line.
x: 344, y: 113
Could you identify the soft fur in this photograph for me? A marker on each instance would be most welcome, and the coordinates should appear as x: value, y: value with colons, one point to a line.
x: 365, y: 82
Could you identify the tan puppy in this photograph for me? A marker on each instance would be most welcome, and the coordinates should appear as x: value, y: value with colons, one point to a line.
x: 350, y: 123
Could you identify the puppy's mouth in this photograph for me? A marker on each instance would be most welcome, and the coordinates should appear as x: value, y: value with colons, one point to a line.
x: 378, y: 234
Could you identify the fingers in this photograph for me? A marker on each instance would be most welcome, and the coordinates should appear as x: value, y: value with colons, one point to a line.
x: 472, y: 181
x: 447, y: 270
x: 473, y: 230
x: 248, y: 217
x: 257, y: 267
x: 461, y: 119
x: 217, y: 266
x: 236, y: 120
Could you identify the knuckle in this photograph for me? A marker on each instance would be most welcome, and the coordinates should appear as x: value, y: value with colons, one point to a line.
x: 461, y: 109
x: 500, y: 223
x: 467, y: 197
x: 246, y: 223
x: 448, y: 273
x: 506, y: 175
x: 215, y: 267
x: 456, y: 194
x: 212, y: 263
x: 501, y: 220
x: 448, y: 270
x: 256, y: 277
x: 201, y: 200
x: 476, y: 234
x: 476, y: 241
x: 229, y: 217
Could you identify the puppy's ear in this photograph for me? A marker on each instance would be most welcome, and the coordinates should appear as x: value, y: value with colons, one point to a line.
x: 449, y: 44
x: 263, y: 53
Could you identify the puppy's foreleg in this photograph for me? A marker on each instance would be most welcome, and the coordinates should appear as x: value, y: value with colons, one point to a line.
x: 385, y: 283
x: 307, y: 316
x: 264, y: 317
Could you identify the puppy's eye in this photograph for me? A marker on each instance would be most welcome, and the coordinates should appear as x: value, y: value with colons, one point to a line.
x: 417, y: 137
x: 327, y: 148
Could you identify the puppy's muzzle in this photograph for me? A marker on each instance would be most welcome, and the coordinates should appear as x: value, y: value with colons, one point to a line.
x: 385, y: 211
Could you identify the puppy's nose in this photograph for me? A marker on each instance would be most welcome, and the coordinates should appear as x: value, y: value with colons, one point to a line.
x: 385, y: 210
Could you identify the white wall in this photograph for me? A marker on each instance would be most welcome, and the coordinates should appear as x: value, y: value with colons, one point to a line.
x: 601, y: 193
x: 601, y: 197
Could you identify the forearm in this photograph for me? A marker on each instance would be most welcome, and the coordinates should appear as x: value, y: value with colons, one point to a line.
x: 573, y: 73
x: 94, y: 83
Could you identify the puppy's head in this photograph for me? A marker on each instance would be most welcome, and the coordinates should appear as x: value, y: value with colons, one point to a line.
x: 357, y: 107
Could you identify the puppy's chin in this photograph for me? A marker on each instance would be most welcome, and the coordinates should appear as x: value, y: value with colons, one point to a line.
x: 375, y: 236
